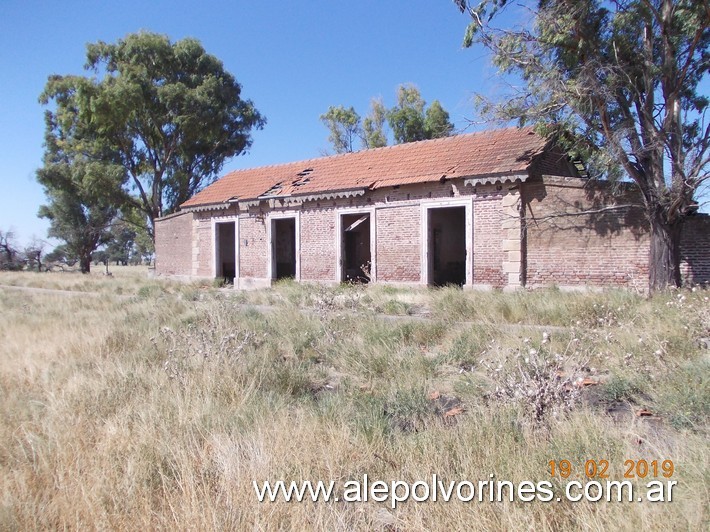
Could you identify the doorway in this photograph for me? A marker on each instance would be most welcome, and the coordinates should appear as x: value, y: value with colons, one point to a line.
x: 446, y: 246
x: 356, y: 254
x: 225, y: 252
x: 283, y: 248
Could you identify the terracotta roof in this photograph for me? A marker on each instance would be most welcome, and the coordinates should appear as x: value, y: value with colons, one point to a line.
x: 502, y: 151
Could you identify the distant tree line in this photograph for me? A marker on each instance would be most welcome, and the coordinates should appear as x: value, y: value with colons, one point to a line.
x: 14, y: 258
x: 125, y: 245
x: 409, y: 120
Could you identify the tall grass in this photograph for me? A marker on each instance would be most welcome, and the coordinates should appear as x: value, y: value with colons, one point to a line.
x: 159, y: 409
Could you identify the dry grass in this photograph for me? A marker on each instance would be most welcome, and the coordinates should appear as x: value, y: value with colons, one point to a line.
x: 157, y: 404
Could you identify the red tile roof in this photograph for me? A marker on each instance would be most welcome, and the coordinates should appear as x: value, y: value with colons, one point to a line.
x: 503, y: 151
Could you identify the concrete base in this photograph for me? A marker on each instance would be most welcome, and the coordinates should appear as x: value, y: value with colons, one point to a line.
x: 252, y: 283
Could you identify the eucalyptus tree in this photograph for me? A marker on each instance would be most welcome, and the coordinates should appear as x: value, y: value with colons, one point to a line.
x: 619, y: 83
x: 168, y: 113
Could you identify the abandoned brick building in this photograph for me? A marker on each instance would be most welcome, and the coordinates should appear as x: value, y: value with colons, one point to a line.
x: 489, y: 209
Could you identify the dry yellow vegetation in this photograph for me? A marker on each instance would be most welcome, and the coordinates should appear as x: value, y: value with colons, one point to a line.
x: 147, y: 404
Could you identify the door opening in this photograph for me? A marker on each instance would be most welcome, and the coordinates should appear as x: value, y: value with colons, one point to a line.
x: 283, y: 248
x: 355, y: 246
x: 225, y: 256
x: 447, y: 246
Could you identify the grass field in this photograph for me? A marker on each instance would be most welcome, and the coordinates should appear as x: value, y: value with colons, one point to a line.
x: 142, y: 403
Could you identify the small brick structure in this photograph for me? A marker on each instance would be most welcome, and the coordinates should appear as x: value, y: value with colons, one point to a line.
x: 498, y: 209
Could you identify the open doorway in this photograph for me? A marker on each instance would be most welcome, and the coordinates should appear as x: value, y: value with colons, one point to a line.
x: 447, y: 246
x: 355, y: 245
x: 283, y: 248
x: 225, y: 252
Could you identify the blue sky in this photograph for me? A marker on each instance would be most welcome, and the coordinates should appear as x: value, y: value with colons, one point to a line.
x: 293, y: 59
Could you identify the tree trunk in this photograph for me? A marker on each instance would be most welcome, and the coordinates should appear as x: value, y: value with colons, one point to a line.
x: 85, y: 263
x: 664, y: 259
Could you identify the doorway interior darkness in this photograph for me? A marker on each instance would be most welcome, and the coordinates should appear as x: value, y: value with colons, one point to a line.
x: 355, y: 242
x: 447, y: 246
x: 225, y: 257
x: 283, y: 251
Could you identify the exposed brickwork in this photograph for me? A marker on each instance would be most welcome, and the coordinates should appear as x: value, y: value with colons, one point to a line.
x: 173, y: 245
x: 203, y: 250
x: 399, y: 244
x: 695, y: 250
x: 318, y: 241
x: 254, y: 247
x: 521, y: 233
x: 553, y: 162
x: 487, y: 242
x: 609, y: 248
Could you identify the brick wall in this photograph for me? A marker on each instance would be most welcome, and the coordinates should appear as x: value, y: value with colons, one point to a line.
x: 608, y: 248
x: 203, y: 249
x: 487, y: 241
x: 173, y: 245
x: 253, y: 246
x: 695, y: 250
x: 399, y: 244
x: 397, y: 218
x: 318, y: 241
x: 605, y: 248
x: 554, y: 162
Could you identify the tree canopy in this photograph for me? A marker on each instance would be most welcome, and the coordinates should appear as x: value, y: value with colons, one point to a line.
x: 618, y: 83
x: 166, y: 113
x: 373, y: 125
x: 9, y: 254
x: 81, y: 204
x: 409, y: 119
x: 344, y: 127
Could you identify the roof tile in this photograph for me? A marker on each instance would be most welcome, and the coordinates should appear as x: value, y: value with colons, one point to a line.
x: 503, y: 151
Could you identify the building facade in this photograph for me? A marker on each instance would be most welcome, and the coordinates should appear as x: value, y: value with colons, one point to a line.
x: 499, y: 209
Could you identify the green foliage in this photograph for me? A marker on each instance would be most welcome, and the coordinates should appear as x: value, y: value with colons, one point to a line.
x: 168, y: 114
x: 436, y: 122
x: 129, y: 241
x: 344, y: 127
x: 616, y: 84
x: 408, y: 120
x: 82, y: 200
x: 407, y: 117
x: 60, y: 255
x: 373, y: 133
x: 619, y: 388
x: 81, y: 176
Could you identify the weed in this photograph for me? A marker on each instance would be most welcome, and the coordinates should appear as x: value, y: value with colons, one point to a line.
x: 539, y: 382
x: 618, y: 389
x: 100, y: 427
x: 408, y: 410
x: 685, y: 396
x: 396, y: 308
